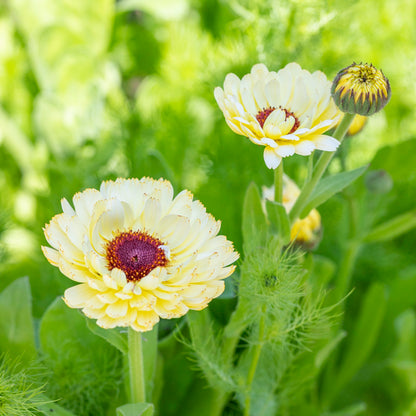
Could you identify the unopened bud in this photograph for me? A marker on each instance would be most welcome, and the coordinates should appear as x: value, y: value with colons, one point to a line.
x: 361, y: 89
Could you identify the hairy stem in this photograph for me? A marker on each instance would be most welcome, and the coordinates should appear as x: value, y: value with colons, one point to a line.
x: 253, y: 364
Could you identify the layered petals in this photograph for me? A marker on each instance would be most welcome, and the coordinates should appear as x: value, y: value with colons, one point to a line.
x: 280, y: 110
x: 134, y: 224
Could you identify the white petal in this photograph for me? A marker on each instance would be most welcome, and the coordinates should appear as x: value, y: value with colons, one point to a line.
x: 269, y: 142
x: 327, y: 143
x: 51, y: 254
x: 231, y: 85
x: 259, y: 95
x: 66, y: 207
x: 219, y: 97
x: 248, y: 100
x: 304, y: 147
x: 259, y: 70
x: 285, y: 150
x: 271, y: 159
x: 272, y: 91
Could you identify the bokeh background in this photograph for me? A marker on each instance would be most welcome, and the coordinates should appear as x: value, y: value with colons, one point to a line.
x: 97, y: 89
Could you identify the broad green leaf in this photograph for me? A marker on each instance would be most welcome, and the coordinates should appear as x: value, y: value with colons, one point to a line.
x: 363, y: 336
x: 61, y: 325
x: 396, y: 161
x: 114, y: 336
x: 136, y: 409
x: 354, y: 410
x: 279, y: 219
x: 17, y: 336
x: 52, y: 409
x: 392, y: 228
x: 254, y: 219
x: 329, y: 186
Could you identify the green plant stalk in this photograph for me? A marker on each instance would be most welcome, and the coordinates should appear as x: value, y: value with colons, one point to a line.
x: 278, y: 183
x: 136, y: 369
x: 392, y: 228
x: 253, y: 365
x: 319, y: 170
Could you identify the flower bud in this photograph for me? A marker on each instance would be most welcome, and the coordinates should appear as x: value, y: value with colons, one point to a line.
x: 378, y: 182
x: 361, y: 89
x: 357, y: 125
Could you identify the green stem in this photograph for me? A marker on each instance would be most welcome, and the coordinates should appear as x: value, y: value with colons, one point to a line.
x: 253, y: 364
x: 319, y: 170
x: 137, y: 383
x: 278, y: 183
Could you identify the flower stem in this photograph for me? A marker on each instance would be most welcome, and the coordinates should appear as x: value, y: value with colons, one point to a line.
x: 253, y: 364
x: 319, y: 170
x: 278, y: 183
x: 137, y: 383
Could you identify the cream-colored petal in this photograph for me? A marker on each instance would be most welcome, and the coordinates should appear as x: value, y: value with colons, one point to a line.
x: 271, y: 159
x: 272, y: 92
x: 78, y: 296
x: 84, y: 203
x: 51, y: 254
x: 119, y: 277
x: 285, y: 150
x: 327, y: 143
x: 231, y: 84
x: 117, y: 309
x: 304, y: 147
x: 66, y: 207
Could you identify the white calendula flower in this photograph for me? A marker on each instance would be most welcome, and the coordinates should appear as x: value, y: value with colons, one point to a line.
x: 287, y: 111
x: 305, y: 231
x: 138, y: 253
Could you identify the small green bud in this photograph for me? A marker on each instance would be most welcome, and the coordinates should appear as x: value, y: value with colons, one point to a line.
x: 361, y: 89
x: 378, y: 182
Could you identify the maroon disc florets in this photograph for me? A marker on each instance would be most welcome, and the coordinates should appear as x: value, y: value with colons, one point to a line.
x: 136, y: 254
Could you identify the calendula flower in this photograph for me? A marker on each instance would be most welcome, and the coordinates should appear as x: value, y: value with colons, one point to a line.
x: 305, y: 231
x: 138, y: 253
x: 361, y: 89
x: 287, y: 112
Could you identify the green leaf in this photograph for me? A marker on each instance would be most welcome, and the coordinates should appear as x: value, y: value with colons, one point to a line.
x: 279, y: 219
x: 114, y: 336
x: 353, y: 410
x: 61, y: 325
x: 254, y: 218
x: 50, y: 408
x: 363, y: 336
x: 329, y: 186
x: 136, y: 409
x: 392, y: 228
x: 17, y: 335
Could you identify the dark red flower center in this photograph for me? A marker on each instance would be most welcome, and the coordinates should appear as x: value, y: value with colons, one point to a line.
x: 263, y: 114
x: 136, y: 253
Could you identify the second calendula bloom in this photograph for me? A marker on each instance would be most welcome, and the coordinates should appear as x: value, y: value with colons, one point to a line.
x: 287, y: 111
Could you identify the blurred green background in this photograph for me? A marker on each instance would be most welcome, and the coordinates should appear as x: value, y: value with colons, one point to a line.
x: 97, y: 89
